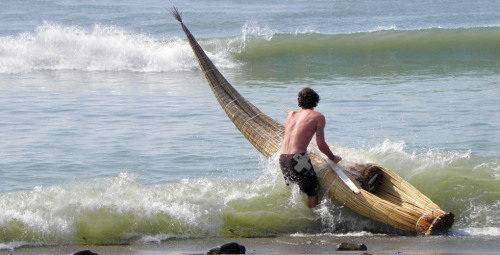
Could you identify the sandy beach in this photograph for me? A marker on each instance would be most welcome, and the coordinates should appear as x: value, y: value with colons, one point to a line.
x: 293, y: 245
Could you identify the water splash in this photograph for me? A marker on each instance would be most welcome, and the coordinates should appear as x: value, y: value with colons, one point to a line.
x: 104, y: 48
x: 121, y: 210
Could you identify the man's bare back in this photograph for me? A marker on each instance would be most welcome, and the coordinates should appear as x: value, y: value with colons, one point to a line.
x: 300, y: 127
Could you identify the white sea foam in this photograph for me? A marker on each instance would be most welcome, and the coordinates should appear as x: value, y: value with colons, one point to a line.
x: 253, y: 28
x: 104, y: 48
x: 384, y: 28
x: 482, y: 231
x: 13, y: 245
x: 395, y: 155
x: 128, y: 211
x: 349, y: 234
x: 492, y: 166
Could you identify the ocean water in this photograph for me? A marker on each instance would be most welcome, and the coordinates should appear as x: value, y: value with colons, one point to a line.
x: 111, y: 135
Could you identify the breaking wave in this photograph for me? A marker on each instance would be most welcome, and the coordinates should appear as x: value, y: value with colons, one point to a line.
x: 122, y: 210
x: 385, y: 50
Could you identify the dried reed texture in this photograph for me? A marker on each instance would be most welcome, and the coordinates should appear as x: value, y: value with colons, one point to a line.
x: 261, y: 131
x: 395, y: 202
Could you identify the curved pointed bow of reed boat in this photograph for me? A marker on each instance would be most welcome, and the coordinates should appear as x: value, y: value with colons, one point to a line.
x: 263, y: 132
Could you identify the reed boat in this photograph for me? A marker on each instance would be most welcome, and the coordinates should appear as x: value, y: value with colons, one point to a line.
x: 389, y: 199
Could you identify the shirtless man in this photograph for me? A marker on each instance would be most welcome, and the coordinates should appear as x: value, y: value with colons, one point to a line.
x: 300, y: 127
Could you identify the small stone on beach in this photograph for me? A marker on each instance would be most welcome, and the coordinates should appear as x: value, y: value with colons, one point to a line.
x: 344, y: 246
x: 85, y: 252
x: 229, y: 248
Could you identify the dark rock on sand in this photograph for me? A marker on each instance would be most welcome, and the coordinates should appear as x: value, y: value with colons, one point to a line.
x: 351, y: 247
x: 85, y: 252
x: 229, y: 248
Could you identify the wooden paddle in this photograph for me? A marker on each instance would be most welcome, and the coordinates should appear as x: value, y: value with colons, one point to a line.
x: 343, y: 177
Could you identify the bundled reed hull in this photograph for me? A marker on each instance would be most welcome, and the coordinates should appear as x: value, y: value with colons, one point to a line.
x: 395, y: 202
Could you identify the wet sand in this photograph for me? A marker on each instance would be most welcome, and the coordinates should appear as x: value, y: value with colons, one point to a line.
x: 291, y: 245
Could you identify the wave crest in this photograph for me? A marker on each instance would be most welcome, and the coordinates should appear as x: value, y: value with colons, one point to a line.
x: 117, y: 210
x: 104, y: 48
x: 384, y: 50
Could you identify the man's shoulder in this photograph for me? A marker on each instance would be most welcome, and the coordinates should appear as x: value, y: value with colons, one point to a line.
x: 317, y: 114
x: 309, y: 113
x: 320, y: 119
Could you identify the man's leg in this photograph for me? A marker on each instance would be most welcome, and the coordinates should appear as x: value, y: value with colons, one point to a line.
x: 313, y: 201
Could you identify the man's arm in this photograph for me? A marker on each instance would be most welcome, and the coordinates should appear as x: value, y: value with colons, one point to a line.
x: 320, y: 140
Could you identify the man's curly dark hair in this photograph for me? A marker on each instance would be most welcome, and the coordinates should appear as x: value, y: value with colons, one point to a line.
x: 308, y: 98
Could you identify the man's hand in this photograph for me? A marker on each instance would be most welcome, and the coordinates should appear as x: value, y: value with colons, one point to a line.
x: 336, y: 159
